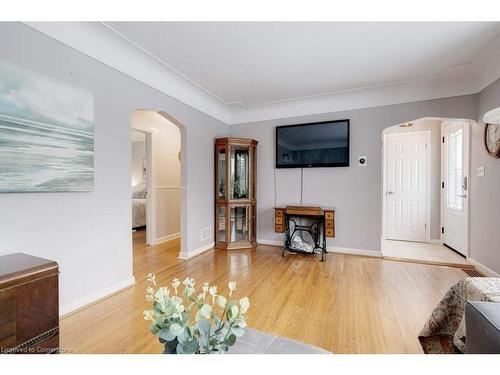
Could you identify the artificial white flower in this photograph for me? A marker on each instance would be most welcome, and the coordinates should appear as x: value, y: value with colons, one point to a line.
x: 213, y: 292
x: 150, y: 294
x: 188, y: 282
x: 161, y: 293
x: 151, y: 278
x: 205, y: 289
x: 232, y: 287
x: 175, y: 284
x: 244, y: 304
x: 148, y: 314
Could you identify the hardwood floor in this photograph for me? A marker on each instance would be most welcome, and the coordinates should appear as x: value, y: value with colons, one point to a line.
x: 350, y: 304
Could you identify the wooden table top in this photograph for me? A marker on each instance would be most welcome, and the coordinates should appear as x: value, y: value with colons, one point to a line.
x: 305, y: 210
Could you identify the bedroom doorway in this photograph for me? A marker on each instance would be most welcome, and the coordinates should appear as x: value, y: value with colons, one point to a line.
x: 158, y: 195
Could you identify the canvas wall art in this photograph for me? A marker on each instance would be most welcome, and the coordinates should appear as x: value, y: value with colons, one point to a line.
x: 46, y: 133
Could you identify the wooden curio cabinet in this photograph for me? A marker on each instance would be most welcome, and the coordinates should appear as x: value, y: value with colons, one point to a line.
x: 235, y: 193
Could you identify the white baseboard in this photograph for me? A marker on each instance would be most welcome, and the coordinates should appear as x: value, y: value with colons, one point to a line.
x: 483, y: 269
x: 270, y: 242
x: 96, y: 296
x: 347, y: 250
x: 170, y: 237
x: 435, y: 242
x: 198, y: 251
x: 331, y: 249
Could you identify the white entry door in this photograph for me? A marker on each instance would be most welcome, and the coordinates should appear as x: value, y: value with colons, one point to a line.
x: 455, y: 168
x: 407, y: 156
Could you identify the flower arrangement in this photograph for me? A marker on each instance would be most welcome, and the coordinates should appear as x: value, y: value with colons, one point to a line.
x: 209, y: 332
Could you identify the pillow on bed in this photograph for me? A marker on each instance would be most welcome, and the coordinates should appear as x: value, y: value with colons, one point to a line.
x: 139, y: 192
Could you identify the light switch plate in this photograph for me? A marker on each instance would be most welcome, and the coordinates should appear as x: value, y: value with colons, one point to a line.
x: 480, y: 171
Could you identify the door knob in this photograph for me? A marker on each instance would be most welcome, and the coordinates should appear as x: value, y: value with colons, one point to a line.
x: 462, y: 195
x: 390, y: 192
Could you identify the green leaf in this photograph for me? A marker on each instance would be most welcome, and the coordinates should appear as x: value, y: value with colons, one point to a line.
x: 188, y: 347
x: 166, y: 334
x: 216, y: 320
x: 232, y: 312
x: 230, y: 340
x: 244, y: 304
x: 221, y: 301
x: 206, y: 311
x: 238, y: 331
x: 204, y: 327
x: 176, y: 329
x: 203, y: 340
x: 185, y: 336
x: 154, y: 328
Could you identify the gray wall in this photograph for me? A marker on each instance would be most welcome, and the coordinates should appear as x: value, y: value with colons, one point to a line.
x: 354, y: 191
x: 89, y: 234
x: 485, y: 191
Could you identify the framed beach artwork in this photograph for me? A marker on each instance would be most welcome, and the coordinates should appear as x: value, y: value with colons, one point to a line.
x: 46, y: 133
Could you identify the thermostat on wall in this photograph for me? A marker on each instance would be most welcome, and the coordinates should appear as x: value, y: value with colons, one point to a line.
x: 362, y: 161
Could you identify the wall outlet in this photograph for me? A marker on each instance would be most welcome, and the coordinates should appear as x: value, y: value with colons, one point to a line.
x: 480, y: 171
x: 206, y: 233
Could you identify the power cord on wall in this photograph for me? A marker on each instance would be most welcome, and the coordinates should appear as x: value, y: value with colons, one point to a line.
x: 275, y: 189
x: 301, y: 185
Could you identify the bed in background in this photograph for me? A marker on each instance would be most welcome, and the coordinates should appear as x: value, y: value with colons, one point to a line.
x: 139, y: 206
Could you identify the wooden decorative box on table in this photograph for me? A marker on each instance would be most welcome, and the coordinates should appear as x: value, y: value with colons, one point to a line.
x: 29, y: 305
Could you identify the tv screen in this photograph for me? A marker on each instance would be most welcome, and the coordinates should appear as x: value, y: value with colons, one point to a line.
x: 318, y: 144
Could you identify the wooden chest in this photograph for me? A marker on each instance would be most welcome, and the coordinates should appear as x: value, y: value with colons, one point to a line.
x: 29, y: 304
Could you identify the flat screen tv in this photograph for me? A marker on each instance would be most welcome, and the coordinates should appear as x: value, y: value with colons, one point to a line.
x: 317, y: 144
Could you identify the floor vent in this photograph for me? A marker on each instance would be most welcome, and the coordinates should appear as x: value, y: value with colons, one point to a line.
x: 472, y: 272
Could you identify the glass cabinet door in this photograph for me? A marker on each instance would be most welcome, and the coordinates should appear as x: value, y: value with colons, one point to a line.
x: 239, y: 224
x: 221, y: 172
x: 221, y: 224
x: 253, y: 169
x: 239, y: 172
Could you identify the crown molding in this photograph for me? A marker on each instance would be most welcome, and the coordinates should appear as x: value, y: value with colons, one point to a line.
x: 96, y: 40
x: 100, y: 42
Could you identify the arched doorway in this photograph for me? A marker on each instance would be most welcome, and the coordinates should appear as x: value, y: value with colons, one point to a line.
x: 159, y: 199
x: 424, y: 166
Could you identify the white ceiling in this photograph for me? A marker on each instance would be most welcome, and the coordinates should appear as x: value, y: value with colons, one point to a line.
x: 257, y: 63
x: 240, y: 72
